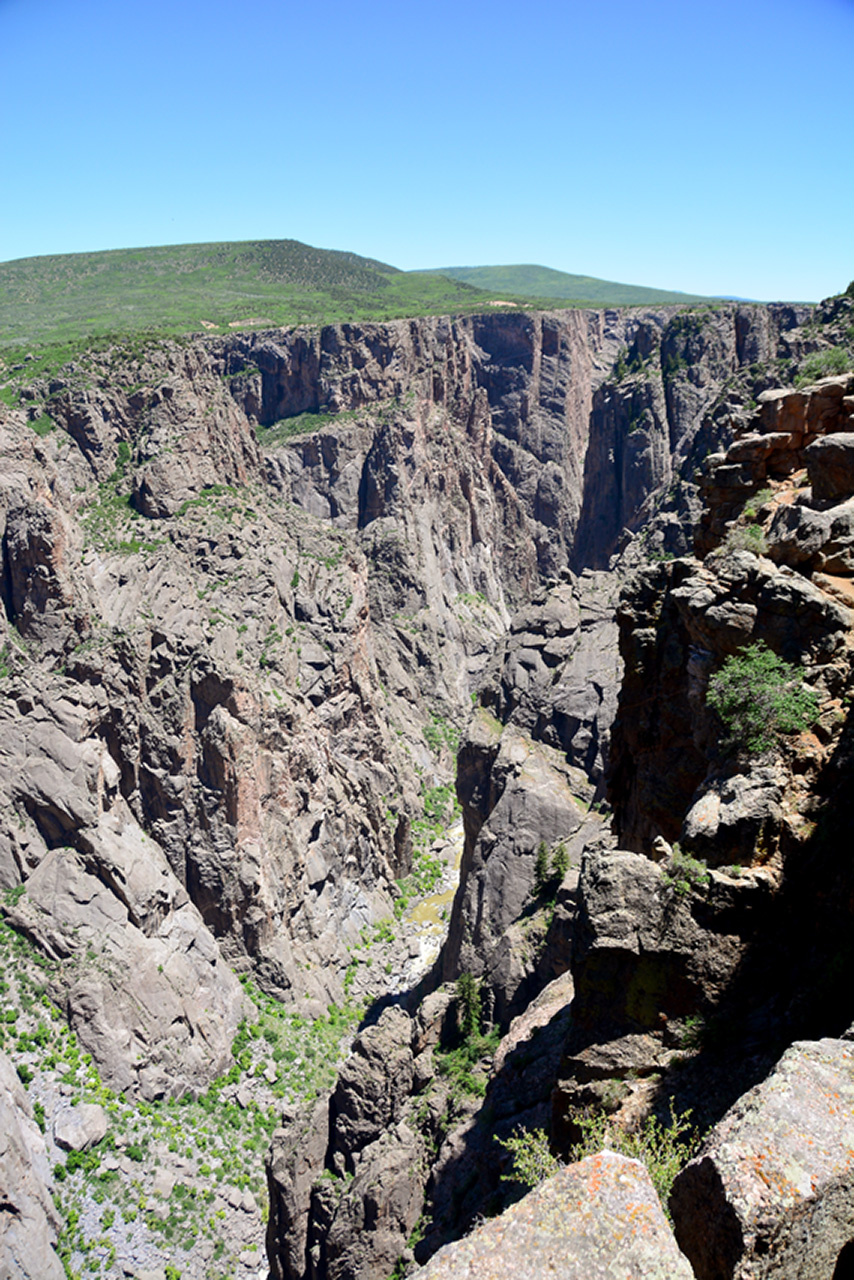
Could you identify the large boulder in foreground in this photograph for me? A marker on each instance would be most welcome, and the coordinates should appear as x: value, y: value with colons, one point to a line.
x: 599, y: 1219
x: 771, y: 1195
x: 29, y: 1223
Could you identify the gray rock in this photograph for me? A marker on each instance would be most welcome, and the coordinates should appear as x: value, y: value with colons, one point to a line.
x: 164, y: 1183
x: 772, y: 1192
x: 29, y: 1223
x: 80, y: 1127
x: 731, y: 816
x: 642, y: 957
x: 830, y: 463
x: 599, y: 1219
x: 158, y: 1011
x: 821, y: 540
x: 371, y: 1218
x: 295, y: 1159
x: 373, y: 1084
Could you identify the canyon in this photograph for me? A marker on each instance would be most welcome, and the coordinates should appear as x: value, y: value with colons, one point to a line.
x: 301, y: 627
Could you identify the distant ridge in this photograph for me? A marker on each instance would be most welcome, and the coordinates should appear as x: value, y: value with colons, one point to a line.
x: 222, y: 286
x: 544, y: 282
x: 195, y: 287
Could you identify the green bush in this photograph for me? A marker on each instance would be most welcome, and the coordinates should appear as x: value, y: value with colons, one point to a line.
x: 664, y: 1149
x: 550, y: 869
x: 751, y: 538
x: 468, y: 1005
x: 822, y: 364
x: 533, y: 1162
x: 685, y: 874
x: 542, y: 875
x: 758, y: 698
x: 463, y: 1067
x: 753, y: 504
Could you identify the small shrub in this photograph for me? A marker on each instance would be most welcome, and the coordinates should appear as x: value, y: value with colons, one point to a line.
x: 684, y: 874
x: 753, y: 505
x: 468, y: 1005
x: 751, y: 538
x: 664, y: 1149
x: 542, y: 875
x: 550, y: 869
x: 533, y: 1162
x: 759, y: 698
x: 461, y: 1066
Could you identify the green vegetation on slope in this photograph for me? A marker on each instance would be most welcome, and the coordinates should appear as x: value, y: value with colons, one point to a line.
x: 216, y: 287
x: 543, y: 282
x: 759, y: 698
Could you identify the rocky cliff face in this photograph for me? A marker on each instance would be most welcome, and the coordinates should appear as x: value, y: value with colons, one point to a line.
x: 686, y: 982
x: 250, y: 587
x: 256, y: 625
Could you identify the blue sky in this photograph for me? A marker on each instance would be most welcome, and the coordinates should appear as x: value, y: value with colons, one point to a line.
x: 705, y: 147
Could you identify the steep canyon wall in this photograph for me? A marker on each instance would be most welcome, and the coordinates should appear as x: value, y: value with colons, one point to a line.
x: 251, y: 586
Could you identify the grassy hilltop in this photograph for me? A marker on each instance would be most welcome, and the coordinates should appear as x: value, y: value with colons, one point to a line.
x: 196, y: 287
x: 192, y: 288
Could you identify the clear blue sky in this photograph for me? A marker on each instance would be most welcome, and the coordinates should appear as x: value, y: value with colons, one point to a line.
x: 699, y: 146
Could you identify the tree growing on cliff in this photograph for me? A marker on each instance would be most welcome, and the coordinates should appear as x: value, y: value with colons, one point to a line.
x: 759, y: 698
x: 542, y: 874
x: 468, y: 1006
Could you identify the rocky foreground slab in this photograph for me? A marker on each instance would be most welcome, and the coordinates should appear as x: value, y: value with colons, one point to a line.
x: 599, y: 1219
x: 772, y: 1192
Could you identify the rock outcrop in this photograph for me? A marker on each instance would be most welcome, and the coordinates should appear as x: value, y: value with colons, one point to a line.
x: 772, y: 1191
x: 29, y: 1222
x: 593, y: 1220
x: 527, y: 772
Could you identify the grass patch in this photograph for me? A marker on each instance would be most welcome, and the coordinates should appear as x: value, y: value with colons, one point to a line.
x: 824, y: 364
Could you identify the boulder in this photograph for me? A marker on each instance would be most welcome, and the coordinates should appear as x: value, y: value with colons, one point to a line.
x: 599, y: 1219
x: 80, y: 1127
x: 734, y: 819
x: 830, y: 464
x: 822, y: 540
x: 771, y: 1195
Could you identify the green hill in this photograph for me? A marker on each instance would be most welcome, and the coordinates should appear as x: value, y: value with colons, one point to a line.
x: 195, y: 287
x: 190, y: 288
x: 543, y: 282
